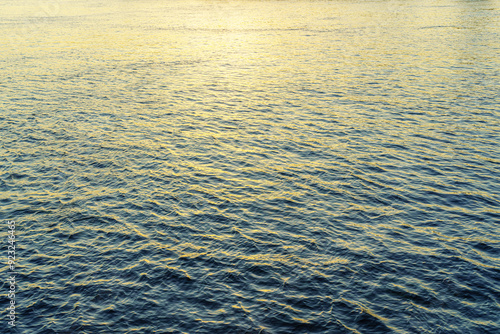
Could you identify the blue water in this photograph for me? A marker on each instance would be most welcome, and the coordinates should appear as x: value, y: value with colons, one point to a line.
x: 251, y: 166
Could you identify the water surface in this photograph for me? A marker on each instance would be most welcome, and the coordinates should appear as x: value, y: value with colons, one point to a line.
x: 252, y: 166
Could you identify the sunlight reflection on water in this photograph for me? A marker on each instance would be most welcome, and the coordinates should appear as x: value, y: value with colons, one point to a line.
x: 252, y: 166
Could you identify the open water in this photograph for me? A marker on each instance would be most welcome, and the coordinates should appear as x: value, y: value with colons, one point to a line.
x: 259, y: 167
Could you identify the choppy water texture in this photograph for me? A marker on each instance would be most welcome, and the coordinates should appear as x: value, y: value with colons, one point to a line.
x: 251, y: 166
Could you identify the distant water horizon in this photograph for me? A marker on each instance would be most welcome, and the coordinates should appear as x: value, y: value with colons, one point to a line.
x: 258, y: 167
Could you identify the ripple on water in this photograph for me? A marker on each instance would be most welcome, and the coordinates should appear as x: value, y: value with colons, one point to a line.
x: 252, y: 167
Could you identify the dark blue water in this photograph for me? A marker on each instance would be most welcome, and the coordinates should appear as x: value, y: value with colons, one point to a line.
x: 251, y: 166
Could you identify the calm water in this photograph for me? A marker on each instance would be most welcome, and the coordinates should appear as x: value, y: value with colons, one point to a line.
x: 251, y: 166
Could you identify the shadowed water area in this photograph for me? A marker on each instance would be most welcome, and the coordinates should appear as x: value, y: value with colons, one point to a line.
x: 258, y: 167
